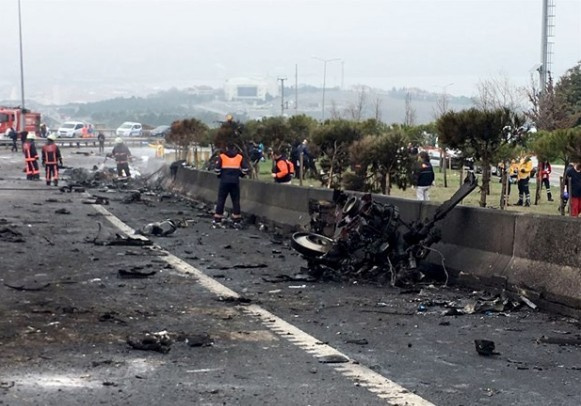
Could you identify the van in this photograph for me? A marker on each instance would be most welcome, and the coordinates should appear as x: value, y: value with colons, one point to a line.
x: 129, y: 129
x: 71, y: 129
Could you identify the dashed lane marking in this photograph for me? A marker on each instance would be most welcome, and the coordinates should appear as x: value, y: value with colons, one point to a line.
x: 381, y: 386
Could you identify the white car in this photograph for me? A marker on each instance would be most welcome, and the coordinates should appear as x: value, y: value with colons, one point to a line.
x: 70, y: 129
x: 129, y: 129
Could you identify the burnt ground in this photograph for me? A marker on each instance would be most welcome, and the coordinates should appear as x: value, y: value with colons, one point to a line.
x: 66, y: 315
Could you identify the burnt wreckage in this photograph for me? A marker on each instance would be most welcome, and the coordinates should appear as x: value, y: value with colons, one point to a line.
x: 356, y: 236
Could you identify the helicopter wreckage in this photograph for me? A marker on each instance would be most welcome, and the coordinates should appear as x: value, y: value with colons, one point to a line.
x: 355, y: 236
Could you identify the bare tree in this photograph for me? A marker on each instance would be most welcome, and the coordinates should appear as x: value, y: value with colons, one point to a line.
x: 356, y: 110
x: 335, y: 113
x: 410, y: 111
x: 498, y: 93
x: 548, y: 110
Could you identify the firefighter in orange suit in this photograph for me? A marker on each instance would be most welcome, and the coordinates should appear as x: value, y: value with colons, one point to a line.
x: 30, y: 157
x: 51, y: 158
x: 230, y: 167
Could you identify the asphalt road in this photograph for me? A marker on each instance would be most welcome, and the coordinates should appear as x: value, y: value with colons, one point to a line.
x: 241, y: 327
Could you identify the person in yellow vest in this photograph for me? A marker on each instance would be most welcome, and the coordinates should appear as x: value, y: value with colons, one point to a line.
x: 525, y: 168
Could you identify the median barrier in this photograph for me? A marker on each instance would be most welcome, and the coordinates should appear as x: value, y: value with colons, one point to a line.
x: 535, y: 255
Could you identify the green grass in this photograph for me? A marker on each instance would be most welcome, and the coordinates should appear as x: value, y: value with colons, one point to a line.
x: 439, y: 193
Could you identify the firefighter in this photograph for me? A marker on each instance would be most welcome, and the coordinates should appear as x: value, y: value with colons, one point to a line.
x: 230, y: 167
x: 525, y: 168
x: 122, y: 155
x: 282, y: 169
x: 30, y: 157
x: 51, y: 158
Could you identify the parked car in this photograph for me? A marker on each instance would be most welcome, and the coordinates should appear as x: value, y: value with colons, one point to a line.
x: 71, y: 129
x: 160, y: 131
x: 129, y: 129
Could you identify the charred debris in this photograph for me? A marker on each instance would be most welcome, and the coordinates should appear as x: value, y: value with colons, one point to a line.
x: 355, y: 236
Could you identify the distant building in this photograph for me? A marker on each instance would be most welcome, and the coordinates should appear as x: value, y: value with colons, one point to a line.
x: 249, y: 89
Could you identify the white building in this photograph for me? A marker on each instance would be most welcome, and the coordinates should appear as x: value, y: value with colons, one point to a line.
x: 249, y: 89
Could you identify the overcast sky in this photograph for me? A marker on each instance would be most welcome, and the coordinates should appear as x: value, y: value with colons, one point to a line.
x: 432, y: 44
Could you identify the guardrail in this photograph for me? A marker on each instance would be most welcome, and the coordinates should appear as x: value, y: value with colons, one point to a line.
x: 88, y: 142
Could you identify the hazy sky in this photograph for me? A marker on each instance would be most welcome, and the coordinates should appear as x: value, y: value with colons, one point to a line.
x: 415, y: 43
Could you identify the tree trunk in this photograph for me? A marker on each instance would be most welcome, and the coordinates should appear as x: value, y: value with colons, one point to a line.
x: 485, y: 183
x: 538, y: 187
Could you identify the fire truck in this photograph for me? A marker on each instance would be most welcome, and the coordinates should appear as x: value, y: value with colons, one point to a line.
x: 12, y: 117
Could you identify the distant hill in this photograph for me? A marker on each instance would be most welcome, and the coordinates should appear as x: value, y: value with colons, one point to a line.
x: 209, y: 106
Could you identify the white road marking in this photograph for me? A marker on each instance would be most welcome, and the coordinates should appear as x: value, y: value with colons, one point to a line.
x: 384, y: 388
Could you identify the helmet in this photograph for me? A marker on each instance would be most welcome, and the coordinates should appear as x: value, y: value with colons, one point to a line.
x: 118, y: 140
x: 229, y: 117
x: 30, y: 136
x: 51, y: 137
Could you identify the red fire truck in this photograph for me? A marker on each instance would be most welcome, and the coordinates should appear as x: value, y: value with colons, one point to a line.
x: 12, y: 117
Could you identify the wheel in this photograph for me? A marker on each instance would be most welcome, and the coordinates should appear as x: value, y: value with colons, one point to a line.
x: 311, y: 244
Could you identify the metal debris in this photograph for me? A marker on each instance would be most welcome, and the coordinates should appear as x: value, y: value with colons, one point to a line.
x: 160, y: 342
x: 485, y: 347
x: 9, y: 235
x: 131, y: 241
x: 368, y: 239
x: 160, y: 229
x: 135, y: 273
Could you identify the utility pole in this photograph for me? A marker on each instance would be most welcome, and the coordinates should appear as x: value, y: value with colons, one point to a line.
x: 325, y: 61
x: 281, y: 95
x: 22, y: 122
x: 296, y: 89
x: 342, y: 75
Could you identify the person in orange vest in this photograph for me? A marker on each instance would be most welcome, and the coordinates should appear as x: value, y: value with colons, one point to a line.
x: 283, y: 169
x: 30, y: 157
x: 230, y: 167
x: 51, y: 158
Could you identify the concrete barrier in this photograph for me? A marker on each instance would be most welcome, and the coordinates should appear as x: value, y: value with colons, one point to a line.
x: 537, y: 255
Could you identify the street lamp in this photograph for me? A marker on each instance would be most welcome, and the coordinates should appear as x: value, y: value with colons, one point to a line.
x: 22, y: 122
x: 325, y: 80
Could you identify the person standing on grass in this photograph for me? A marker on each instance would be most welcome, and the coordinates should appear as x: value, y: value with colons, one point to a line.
x: 423, y: 177
x: 544, y: 174
x: 573, y: 181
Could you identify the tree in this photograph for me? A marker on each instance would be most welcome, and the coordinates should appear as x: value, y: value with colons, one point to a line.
x: 480, y: 134
x: 410, y: 111
x: 548, y: 110
x: 568, y: 88
x: 391, y: 160
x: 333, y: 139
x: 185, y: 133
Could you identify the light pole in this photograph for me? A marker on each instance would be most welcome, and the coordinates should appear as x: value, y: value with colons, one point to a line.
x: 22, y: 122
x: 281, y: 96
x: 325, y: 81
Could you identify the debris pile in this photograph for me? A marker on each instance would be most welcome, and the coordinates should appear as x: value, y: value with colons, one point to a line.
x: 364, y: 238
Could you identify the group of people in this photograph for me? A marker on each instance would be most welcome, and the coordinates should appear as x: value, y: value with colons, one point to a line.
x: 50, y: 155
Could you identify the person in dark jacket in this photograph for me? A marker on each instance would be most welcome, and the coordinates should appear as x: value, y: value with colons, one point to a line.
x: 573, y: 177
x: 122, y: 155
x: 283, y: 169
x: 230, y: 167
x: 423, y: 176
x: 13, y: 135
x: 101, y: 139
